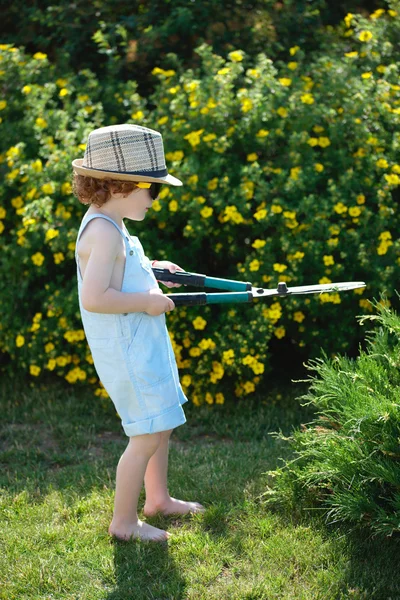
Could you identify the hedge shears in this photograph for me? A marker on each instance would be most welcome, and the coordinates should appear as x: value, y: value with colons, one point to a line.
x: 239, y: 291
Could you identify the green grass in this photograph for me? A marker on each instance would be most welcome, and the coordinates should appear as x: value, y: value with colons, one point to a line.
x: 59, y: 451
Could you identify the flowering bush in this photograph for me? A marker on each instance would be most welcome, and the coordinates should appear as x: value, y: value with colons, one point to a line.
x: 291, y: 173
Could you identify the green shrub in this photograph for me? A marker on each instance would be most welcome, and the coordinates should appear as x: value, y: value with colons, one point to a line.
x: 126, y: 39
x: 347, y: 459
x: 291, y: 173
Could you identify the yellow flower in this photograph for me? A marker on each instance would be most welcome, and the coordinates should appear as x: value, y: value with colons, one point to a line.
x: 279, y: 268
x: 276, y: 209
x: 282, y: 112
x: 51, y: 364
x: 209, y: 138
x: 228, y: 356
x: 312, y: 141
x: 294, y: 173
x: 58, y: 258
x: 340, y: 208
x: 382, y: 163
x: 377, y: 13
x: 40, y: 56
x: 280, y: 332
x: 17, y: 202
x: 212, y: 184
x: 299, y: 316
x: 348, y: 19
x: 50, y: 234
x: 156, y: 205
x: 365, y: 36
x: 293, y: 50
x: 392, y: 13
x: 354, y: 211
x: 236, y: 56
x: 66, y: 188
x: 253, y: 73
x: 219, y: 398
x: 366, y: 75
x: 2, y: 213
x: 328, y: 260
x: 249, y: 387
x: 34, y: 370
x: 252, y: 157
x: 63, y: 92
x: 26, y: 89
x: 19, y: 341
x: 392, y: 179
x: 223, y: 71
x: 254, y: 265
x: 137, y: 116
x: 351, y: 54
x: 209, y: 399
x: 173, y: 206
x: 194, y: 137
x: 260, y: 214
x: 194, y: 352
x: 318, y: 167
x: 262, y: 133
x: 307, y: 99
x: 41, y: 122
x: 193, y: 180
x: 37, y: 259
x: 49, y: 347
x: 186, y: 380
x: 324, y: 142
x: 199, y: 323
x: 259, y: 243
x: 247, y: 105
x: 360, y: 199
x: 207, y: 344
x: 206, y: 212
x: 293, y: 66
x: 385, y: 235
x: 285, y: 81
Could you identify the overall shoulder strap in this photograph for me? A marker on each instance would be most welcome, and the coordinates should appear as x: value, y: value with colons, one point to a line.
x: 84, y: 223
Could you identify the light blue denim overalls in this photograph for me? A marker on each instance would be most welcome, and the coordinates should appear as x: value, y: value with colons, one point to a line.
x: 132, y: 352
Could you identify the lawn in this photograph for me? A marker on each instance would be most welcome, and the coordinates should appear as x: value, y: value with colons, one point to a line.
x: 59, y: 451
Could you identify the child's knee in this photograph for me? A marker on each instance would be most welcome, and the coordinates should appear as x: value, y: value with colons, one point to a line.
x: 146, y: 443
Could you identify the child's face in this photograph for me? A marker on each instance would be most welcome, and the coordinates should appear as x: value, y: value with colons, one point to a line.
x: 135, y: 205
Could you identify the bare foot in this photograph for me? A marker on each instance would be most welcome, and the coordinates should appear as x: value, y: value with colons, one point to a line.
x: 139, y: 530
x: 173, y: 507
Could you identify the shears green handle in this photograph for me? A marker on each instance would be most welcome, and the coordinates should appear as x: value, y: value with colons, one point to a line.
x: 199, y: 280
x: 239, y: 291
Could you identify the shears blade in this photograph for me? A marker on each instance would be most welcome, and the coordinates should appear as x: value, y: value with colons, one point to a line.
x: 323, y: 288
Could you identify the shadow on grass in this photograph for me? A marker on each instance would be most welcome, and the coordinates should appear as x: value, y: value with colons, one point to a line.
x: 155, y: 574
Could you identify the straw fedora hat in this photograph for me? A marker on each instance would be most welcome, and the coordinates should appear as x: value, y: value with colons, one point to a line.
x: 127, y: 153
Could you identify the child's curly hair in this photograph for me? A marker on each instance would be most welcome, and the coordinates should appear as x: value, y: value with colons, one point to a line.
x: 90, y: 190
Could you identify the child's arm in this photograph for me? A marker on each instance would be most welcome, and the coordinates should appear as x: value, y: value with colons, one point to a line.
x: 96, y: 293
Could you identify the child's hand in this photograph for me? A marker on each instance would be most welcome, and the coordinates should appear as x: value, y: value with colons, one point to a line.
x: 172, y: 267
x: 158, y: 303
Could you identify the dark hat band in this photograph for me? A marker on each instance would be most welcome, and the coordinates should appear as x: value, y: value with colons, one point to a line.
x: 156, y: 174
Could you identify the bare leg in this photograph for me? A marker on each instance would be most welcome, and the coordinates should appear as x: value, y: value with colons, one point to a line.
x: 130, y: 473
x: 155, y: 481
